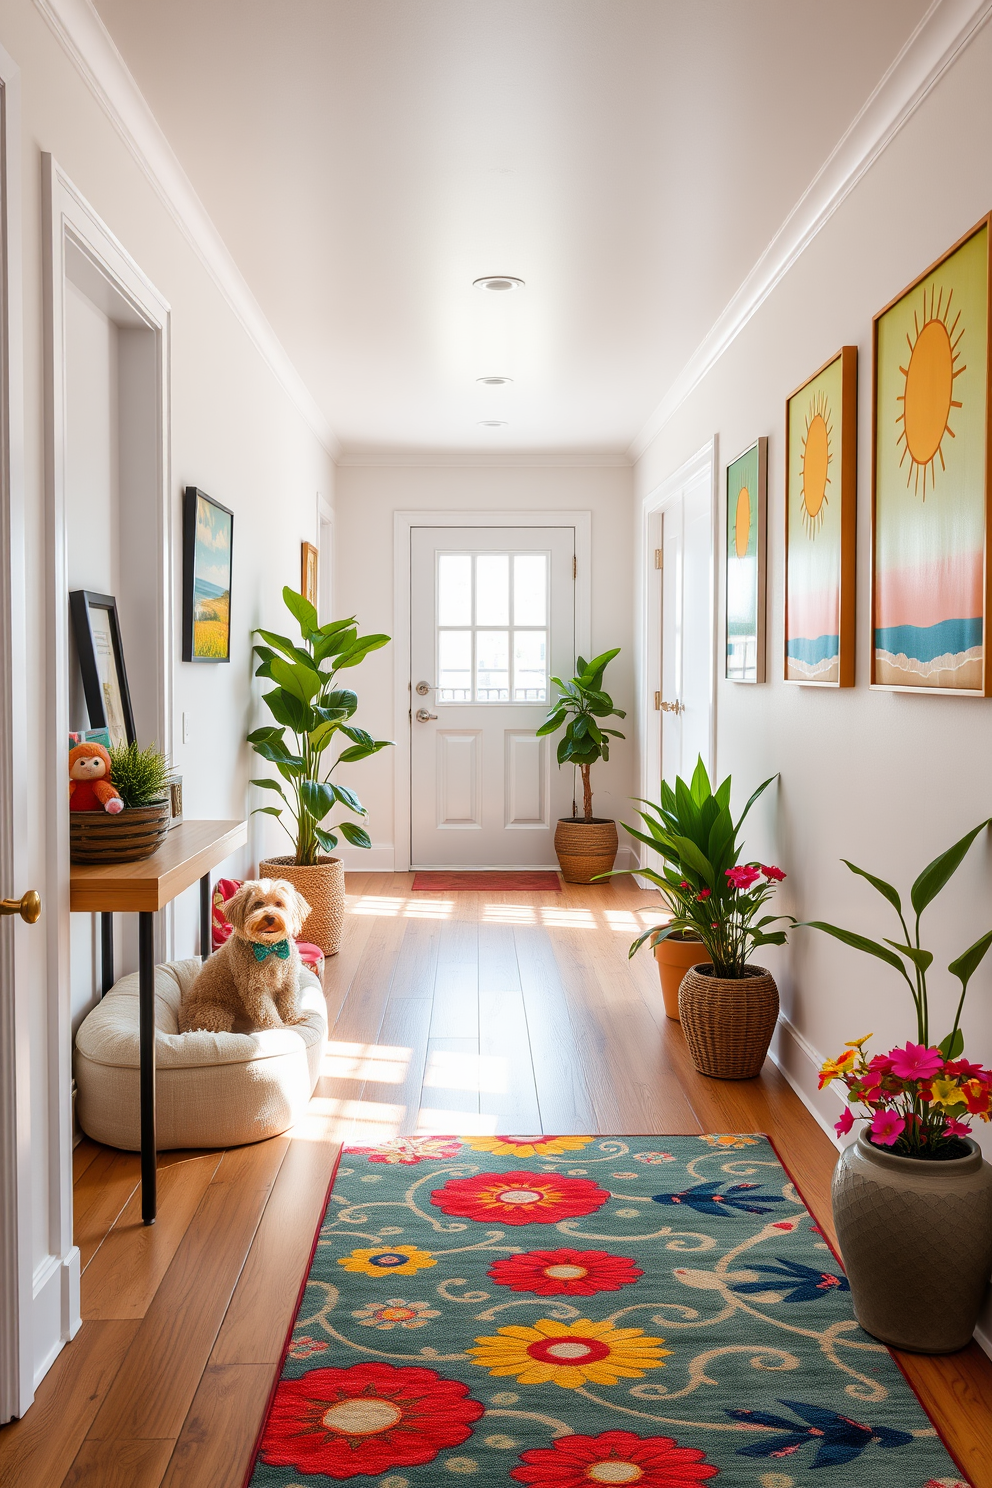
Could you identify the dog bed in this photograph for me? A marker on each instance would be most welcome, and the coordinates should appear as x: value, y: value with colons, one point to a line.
x: 214, y: 1089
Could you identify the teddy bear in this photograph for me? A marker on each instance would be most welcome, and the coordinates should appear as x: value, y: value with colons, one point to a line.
x: 90, y: 787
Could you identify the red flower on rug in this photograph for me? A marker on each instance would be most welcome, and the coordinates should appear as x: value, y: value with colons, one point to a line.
x: 519, y: 1198
x: 576, y: 1273
x: 348, y: 1422
x: 615, y: 1457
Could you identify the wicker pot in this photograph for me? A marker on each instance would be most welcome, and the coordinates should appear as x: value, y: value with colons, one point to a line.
x: 728, y: 1022
x: 585, y: 848
x: 322, y: 886
x: 136, y: 832
x: 916, y: 1240
x: 674, y: 956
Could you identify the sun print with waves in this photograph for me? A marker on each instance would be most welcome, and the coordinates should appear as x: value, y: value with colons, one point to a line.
x: 928, y: 389
x: 817, y: 456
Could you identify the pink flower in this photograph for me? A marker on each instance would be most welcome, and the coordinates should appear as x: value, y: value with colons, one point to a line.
x: 843, y: 1126
x: 704, y: 893
x: 880, y: 1064
x: 956, y: 1067
x: 955, y: 1128
x: 916, y: 1062
x: 684, y: 884
x: 715, y: 925
x: 886, y: 1128
x: 742, y: 877
x: 772, y: 872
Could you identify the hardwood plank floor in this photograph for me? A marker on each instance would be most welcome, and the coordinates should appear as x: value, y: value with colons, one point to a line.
x: 482, y: 1012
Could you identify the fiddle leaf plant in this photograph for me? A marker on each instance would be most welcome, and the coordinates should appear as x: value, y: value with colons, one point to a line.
x: 579, y: 706
x: 307, y: 701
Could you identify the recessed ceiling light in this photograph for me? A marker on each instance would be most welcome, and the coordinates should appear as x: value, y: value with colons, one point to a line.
x: 498, y: 282
x: 494, y: 381
x: 493, y: 423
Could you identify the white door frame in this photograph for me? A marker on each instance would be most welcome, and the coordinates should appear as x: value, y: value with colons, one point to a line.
x: 79, y: 247
x: 650, y: 617
x: 16, y: 1336
x: 403, y: 524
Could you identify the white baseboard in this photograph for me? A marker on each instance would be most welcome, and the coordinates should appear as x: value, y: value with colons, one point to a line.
x: 379, y: 858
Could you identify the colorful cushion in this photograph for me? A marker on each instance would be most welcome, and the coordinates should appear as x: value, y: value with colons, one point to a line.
x: 225, y: 889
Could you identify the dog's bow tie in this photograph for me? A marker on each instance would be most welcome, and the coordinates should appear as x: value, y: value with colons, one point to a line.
x: 280, y: 949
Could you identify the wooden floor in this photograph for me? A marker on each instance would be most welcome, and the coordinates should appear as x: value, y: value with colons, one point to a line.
x: 474, y: 1013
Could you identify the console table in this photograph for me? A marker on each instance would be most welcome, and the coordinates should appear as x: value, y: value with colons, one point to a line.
x: 189, y: 852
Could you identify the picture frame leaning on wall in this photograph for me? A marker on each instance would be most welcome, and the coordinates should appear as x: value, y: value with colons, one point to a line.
x: 744, y: 564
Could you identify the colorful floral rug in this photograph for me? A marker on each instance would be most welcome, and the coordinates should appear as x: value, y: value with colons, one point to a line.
x: 574, y: 1312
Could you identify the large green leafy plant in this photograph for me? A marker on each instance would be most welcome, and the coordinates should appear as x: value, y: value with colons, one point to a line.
x: 711, y: 895
x: 581, y: 702
x: 306, y: 701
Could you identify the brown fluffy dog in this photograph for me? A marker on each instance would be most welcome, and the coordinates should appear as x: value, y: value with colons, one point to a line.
x: 242, y: 985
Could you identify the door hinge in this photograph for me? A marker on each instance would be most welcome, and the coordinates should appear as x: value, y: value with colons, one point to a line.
x: 657, y: 702
x: 575, y: 567
x: 659, y: 558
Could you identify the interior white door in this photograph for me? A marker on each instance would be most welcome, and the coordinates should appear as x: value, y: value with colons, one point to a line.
x: 492, y: 620
x: 687, y: 663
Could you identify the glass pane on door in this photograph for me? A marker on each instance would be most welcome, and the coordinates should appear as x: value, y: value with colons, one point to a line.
x: 492, y: 627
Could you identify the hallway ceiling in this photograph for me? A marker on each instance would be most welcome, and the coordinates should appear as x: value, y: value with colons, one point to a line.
x: 365, y: 160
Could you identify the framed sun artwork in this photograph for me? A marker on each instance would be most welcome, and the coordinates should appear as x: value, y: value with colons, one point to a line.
x: 747, y: 480
x: 821, y: 474
x: 930, y: 490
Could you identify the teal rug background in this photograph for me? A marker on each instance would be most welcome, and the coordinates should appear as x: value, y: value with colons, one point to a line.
x: 748, y: 1367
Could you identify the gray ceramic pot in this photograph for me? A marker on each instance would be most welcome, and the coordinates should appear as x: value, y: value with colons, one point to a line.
x: 916, y: 1241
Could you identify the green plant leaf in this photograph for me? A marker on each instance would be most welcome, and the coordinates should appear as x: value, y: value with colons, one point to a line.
x: 885, y: 889
x: 265, y: 735
x: 356, y: 835
x: 859, y: 943
x: 317, y: 797
x: 362, y: 751
x: 302, y: 610
x: 270, y: 785
x: 551, y: 724
x: 348, y: 798
x: 341, y: 700
x: 969, y: 961
x: 327, y: 840
x: 753, y: 797
x: 922, y: 960
x: 267, y: 811
x: 699, y: 786
x: 280, y: 642
x: 936, y: 874
x: 333, y: 645
x: 302, y: 682
x: 694, y: 859
x: 360, y: 650
x: 953, y: 1045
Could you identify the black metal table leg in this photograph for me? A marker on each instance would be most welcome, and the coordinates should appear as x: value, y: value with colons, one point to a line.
x: 206, y: 924
x: 106, y: 952
x: 146, y: 1006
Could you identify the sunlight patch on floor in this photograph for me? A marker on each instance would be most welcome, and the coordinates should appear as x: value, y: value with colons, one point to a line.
x: 451, y: 1071
x: 382, y: 1063
x: 509, y: 914
x: 456, y: 1123
x: 568, y: 919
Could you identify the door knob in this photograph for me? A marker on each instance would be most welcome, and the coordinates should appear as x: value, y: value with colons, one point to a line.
x: 676, y: 707
x: 423, y: 688
x: 28, y: 906
x: 423, y: 716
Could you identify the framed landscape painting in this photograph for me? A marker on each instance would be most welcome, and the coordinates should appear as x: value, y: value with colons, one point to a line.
x: 747, y: 479
x: 208, y: 533
x: 930, y: 455
x: 821, y: 473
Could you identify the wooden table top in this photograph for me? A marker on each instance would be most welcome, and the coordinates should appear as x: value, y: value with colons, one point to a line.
x: 189, y: 851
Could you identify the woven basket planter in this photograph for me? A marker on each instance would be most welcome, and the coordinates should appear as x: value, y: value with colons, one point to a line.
x: 674, y: 957
x: 322, y: 886
x: 136, y: 832
x: 728, y: 1022
x: 585, y: 848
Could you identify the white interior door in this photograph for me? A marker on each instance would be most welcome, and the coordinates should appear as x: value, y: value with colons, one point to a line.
x: 492, y: 620
x: 687, y: 663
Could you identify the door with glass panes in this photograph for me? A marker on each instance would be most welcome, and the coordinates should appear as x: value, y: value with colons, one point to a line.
x: 492, y: 620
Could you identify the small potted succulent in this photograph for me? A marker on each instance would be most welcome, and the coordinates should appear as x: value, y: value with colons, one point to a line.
x: 912, y: 1196
x: 586, y: 845
x: 727, y: 1006
x: 306, y: 700
x: 141, y: 778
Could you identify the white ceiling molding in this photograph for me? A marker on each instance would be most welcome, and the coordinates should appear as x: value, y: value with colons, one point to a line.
x: 942, y: 34
x: 89, y: 45
x: 470, y: 460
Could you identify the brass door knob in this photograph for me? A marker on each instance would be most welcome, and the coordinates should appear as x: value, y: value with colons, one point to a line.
x: 676, y: 707
x: 28, y: 906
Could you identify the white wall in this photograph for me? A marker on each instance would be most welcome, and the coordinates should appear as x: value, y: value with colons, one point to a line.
x: 887, y: 780
x: 366, y: 500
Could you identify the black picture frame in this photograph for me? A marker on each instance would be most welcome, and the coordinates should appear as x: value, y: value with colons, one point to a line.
x: 95, y: 622
x: 196, y: 643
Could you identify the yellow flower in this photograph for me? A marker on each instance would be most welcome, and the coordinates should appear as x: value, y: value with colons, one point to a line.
x: 570, y: 1354
x: 946, y: 1093
x: 527, y: 1146
x: 857, y: 1043
x: 395, y: 1260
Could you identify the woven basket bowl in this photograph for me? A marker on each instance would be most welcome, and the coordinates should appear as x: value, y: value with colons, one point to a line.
x: 585, y: 848
x: 322, y: 886
x: 728, y: 1022
x: 136, y: 832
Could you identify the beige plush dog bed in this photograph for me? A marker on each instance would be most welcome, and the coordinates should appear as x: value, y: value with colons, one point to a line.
x: 214, y: 1089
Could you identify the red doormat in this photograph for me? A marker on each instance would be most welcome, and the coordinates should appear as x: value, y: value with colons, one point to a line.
x: 486, y: 883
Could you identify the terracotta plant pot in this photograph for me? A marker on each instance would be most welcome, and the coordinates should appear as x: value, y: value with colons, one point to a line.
x: 916, y: 1240
x: 134, y: 833
x: 322, y: 886
x: 728, y: 1022
x: 585, y: 848
x: 674, y: 957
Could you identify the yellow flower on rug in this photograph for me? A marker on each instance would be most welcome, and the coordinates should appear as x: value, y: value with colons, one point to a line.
x: 396, y: 1260
x: 570, y: 1354
x: 527, y: 1146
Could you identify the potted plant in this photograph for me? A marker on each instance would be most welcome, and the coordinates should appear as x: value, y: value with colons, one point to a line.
x: 727, y: 1006
x: 912, y: 1196
x: 306, y: 701
x: 586, y: 845
x: 141, y: 777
